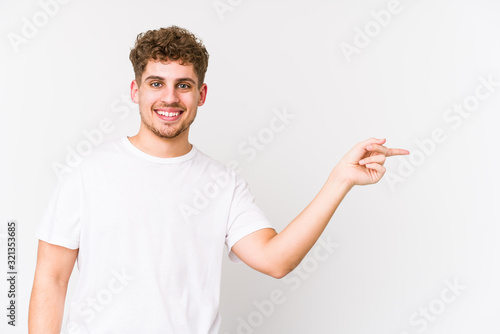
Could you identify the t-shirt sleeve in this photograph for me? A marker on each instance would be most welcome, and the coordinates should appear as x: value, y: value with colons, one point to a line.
x: 60, y: 223
x: 245, y: 216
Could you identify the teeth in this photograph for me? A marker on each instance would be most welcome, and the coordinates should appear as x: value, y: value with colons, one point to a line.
x: 169, y: 114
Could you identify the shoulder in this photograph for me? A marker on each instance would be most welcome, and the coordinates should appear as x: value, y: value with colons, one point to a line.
x: 214, y: 165
x: 105, y: 151
x: 88, y: 156
x: 215, y: 169
x: 108, y: 147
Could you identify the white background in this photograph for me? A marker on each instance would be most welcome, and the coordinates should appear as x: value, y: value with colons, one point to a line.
x: 397, y: 243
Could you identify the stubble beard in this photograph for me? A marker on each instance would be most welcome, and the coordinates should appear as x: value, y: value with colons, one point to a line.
x: 168, y: 131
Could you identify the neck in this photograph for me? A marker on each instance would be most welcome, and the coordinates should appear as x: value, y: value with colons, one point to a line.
x: 160, y: 147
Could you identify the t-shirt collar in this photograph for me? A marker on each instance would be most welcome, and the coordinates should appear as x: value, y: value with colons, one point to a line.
x: 126, y: 142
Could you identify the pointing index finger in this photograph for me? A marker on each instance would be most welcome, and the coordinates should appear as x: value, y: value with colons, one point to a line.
x: 396, y: 151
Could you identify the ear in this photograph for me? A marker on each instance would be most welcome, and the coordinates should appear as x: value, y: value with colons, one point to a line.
x: 134, y: 91
x: 203, y: 95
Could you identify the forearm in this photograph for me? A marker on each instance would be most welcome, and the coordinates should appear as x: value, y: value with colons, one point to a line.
x: 290, y: 246
x: 46, y: 307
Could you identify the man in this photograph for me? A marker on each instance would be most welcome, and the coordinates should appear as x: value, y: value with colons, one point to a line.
x: 148, y: 216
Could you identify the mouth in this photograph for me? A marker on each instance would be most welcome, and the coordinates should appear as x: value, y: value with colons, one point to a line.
x: 168, y: 114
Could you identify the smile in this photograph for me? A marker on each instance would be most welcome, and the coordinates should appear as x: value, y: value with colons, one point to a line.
x: 168, y: 116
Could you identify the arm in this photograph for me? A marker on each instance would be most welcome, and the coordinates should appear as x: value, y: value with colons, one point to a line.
x: 53, y: 270
x: 277, y: 254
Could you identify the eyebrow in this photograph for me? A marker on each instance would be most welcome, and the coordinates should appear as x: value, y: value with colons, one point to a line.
x: 156, y: 77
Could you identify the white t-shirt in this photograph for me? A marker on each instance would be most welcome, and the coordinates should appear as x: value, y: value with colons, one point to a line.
x: 151, y: 234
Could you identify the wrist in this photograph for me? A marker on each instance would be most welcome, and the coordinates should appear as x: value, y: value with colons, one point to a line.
x: 340, y: 180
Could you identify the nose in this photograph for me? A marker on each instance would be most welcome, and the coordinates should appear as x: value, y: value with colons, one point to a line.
x: 169, y: 95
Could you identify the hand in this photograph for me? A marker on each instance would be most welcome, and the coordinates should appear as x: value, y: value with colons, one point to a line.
x: 364, y: 163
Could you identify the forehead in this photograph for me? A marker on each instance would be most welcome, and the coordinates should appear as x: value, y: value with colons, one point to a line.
x: 170, y: 70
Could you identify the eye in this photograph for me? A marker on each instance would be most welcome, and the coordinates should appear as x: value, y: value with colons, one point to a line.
x: 156, y: 84
x: 183, y: 86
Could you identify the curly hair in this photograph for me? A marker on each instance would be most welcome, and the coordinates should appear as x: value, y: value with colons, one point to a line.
x: 172, y: 43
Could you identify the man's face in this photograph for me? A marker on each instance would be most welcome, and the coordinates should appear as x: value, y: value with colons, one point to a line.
x: 168, y: 98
